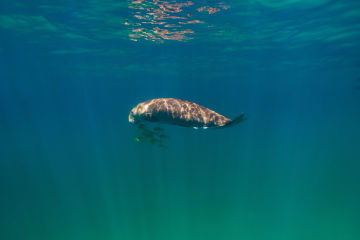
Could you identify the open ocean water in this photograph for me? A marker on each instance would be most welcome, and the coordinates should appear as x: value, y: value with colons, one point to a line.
x: 70, y: 72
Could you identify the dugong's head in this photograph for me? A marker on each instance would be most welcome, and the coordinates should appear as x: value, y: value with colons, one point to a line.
x: 132, y: 117
x: 136, y: 113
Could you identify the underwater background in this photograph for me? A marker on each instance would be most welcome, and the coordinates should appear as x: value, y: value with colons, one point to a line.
x: 70, y: 72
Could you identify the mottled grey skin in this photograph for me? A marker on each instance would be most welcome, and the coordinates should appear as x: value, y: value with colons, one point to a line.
x: 179, y: 112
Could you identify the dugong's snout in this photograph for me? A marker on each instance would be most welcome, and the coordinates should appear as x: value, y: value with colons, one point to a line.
x: 132, y: 117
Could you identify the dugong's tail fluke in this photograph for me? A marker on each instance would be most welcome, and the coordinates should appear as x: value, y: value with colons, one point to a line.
x: 235, y: 121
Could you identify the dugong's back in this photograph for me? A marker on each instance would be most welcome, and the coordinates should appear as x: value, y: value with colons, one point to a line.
x: 177, y: 112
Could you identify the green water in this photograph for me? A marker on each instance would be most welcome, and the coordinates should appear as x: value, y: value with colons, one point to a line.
x: 70, y: 72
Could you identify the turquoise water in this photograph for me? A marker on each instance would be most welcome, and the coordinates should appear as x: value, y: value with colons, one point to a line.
x: 70, y: 72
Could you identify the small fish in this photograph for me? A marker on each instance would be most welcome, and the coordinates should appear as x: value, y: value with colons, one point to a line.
x: 148, y: 134
x: 163, y: 136
x: 140, y: 127
x: 162, y: 146
x: 158, y: 129
x: 154, y: 140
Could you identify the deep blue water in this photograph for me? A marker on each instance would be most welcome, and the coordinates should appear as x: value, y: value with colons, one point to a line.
x: 70, y: 72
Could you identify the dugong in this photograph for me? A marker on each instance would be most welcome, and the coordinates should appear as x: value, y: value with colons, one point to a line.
x: 180, y: 112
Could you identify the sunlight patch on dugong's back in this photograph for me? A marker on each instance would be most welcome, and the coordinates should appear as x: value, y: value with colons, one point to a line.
x: 181, y: 113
